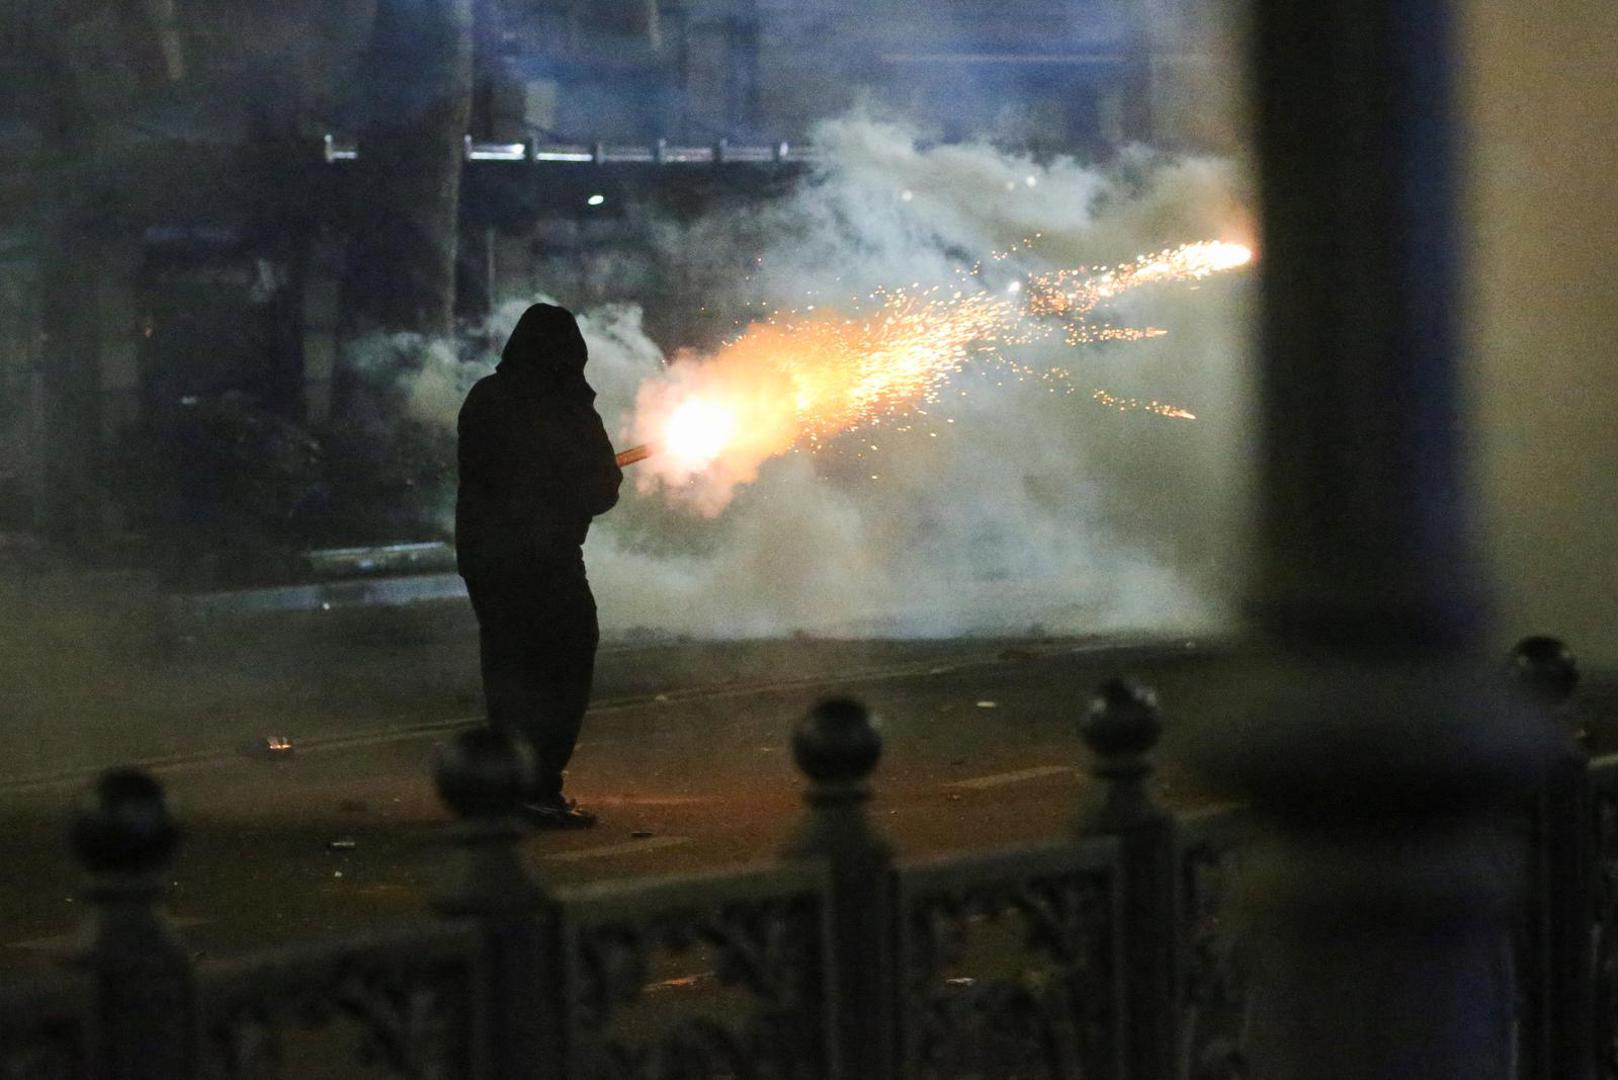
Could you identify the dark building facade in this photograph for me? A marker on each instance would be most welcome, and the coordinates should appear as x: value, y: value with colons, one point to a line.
x: 186, y: 183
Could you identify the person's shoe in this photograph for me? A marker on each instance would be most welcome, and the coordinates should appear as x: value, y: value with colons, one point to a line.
x: 557, y: 813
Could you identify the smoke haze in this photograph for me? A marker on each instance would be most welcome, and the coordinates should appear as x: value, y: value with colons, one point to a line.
x: 1008, y: 504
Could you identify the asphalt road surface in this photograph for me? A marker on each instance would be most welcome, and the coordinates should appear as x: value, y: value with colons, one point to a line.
x: 684, y: 757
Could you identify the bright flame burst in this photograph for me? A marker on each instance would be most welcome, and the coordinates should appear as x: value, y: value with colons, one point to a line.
x: 697, y: 431
x: 799, y: 377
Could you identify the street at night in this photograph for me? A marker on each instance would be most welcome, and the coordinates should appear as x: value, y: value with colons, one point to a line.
x: 808, y: 540
x: 685, y: 755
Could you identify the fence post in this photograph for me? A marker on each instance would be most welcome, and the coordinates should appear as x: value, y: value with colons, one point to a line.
x: 1557, y: 1038
x: 144, y: 1026
x: 837, y: 746
x: 1548, y: 673
x: 481, y: 775
x: 1121, y: 727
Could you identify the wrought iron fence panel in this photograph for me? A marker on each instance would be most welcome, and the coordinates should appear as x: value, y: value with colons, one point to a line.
x: 1603, y: 809
x: 1009, y: 963
x: 745, y: 956
x: 43, y: 1033
x: 1214, y: 1010
x: 402, y: 1003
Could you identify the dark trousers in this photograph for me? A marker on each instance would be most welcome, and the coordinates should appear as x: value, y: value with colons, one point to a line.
x: 538, y: 635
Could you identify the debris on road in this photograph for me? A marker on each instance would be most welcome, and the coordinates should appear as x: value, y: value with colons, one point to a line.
x: 963, y: 980
x: 641, y: 834
x: 988, y: 704
x: 342, y: 844
x: 683, y: 982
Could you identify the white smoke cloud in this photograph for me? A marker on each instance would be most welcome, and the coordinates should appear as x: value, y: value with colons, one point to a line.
x: 1009, y: 504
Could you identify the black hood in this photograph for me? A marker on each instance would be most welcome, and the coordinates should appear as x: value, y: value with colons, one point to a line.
x: 547, y: 349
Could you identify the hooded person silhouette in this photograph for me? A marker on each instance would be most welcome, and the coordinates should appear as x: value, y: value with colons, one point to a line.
x: 535, y: 466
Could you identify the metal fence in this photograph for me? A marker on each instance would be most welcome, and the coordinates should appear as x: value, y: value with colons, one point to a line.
x: 1107, y: 955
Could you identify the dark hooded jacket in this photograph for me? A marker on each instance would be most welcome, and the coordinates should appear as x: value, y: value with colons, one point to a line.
x: 535, y: 461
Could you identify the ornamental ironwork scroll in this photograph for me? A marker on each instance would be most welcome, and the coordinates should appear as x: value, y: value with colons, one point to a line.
x: 685, y: 978
x: 400, y: 1004
x: 42, y: 1029
x: 1010, y: 964
x: 1603, y: 806
x: 1213, y: 1016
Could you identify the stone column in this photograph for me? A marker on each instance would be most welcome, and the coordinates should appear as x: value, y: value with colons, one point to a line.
x: 1379, y: 755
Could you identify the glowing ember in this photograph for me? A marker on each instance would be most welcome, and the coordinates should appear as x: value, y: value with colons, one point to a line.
x: 799, y: 377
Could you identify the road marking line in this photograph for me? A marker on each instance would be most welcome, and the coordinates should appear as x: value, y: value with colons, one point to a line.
x: 305, y: 744
x: 631, y: 847
x: 75, y: 938
x: 996, y: 779
x: 647, y: 800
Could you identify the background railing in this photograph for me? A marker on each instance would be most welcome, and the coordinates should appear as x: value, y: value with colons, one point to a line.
x: 1111, y: 954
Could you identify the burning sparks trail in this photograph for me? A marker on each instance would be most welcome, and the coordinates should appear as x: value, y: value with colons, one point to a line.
x: 800, y: 377
x: 1078, y: 292
x: 1074, y: 294
x: 1173, y: 412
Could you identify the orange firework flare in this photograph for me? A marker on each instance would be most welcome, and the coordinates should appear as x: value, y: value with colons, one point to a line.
x: 1079, y: 291
x: 799, y: 377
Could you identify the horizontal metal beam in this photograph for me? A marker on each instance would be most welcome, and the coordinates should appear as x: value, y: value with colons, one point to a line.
x: 1112, y: 58
x: 335, y: 150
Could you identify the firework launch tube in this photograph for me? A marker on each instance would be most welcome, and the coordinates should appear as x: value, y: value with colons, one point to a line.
x: 636, y: 453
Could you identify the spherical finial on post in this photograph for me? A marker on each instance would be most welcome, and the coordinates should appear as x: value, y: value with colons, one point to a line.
x: 483, y: 773
x: 122, y: 825
x: 145, y: 989
x: 1121, y: 726
x: 1545, y: 668
x: 837, y: 744
x: 1122, y: 722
